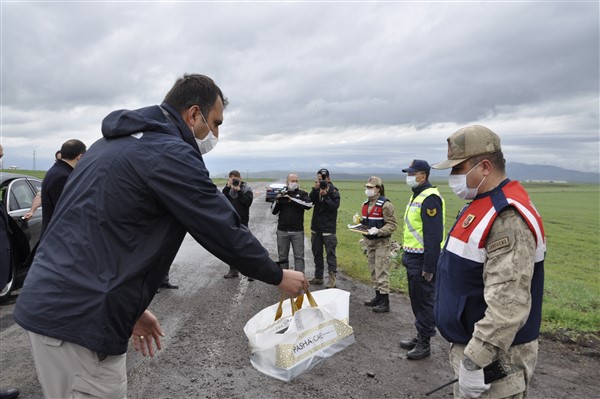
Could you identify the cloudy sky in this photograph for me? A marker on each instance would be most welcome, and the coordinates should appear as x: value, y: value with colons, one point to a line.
x: 346, y: 85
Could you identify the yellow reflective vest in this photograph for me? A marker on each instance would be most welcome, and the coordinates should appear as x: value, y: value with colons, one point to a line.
x: 413, y: 224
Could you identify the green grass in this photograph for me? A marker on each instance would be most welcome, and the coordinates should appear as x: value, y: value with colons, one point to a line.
x: 571, y: 215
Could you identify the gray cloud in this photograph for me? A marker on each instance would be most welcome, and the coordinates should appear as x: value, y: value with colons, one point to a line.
x: 387, y: 80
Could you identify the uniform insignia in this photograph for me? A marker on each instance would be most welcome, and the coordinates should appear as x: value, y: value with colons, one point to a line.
x: 501, y: 243
x: 432, y: 212
x: 468, y: 220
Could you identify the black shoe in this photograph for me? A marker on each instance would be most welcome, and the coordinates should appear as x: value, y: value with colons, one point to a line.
x: 169, y: 286
x: 375, y: 301
x: 232, y: 274
x: 409, y: 343
x: 422, y: 349
x: 384, y: 304
x: 8, y: 393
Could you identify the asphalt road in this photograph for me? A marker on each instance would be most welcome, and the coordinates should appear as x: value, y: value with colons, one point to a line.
x: 205, y: 352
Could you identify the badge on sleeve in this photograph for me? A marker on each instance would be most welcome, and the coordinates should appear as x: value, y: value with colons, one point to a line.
x: 431, y: 212
x: 468, y: 220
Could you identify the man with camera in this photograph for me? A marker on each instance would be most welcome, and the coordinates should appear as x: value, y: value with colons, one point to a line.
x: 240, y: 196
x: 326, y: 200
x: 290, y: 204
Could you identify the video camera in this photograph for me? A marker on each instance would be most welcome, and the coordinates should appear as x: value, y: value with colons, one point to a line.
x: 323, y: 184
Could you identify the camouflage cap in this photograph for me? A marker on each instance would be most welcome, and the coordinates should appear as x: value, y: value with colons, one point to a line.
x: 469, y: 142
x: 373, y: 182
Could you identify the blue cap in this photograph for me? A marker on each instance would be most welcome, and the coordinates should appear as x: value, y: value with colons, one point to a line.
x: 418, y: 165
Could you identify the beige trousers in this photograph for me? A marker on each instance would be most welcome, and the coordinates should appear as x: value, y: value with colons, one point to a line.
x: 67, y: 370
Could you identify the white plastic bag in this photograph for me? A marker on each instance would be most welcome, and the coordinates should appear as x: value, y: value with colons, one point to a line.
x: 294, y: 343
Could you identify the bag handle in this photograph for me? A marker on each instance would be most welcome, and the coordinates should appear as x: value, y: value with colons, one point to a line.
x: 295, y: 304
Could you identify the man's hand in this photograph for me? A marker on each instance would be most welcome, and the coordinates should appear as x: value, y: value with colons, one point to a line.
x: 293, y: 283
x: 471, y: 382
x: 373, y: 231
x: 146, y: 330
x: 427, y: 276
x: 28, y: 215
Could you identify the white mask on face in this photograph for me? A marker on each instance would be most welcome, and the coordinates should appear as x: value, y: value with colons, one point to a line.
x: 370, y: 192
x: 458, y: 184
x: 292, y: 186
x: 209, y: 142
x: 411, y: 181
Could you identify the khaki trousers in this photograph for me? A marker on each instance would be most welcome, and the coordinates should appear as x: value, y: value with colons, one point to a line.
x: 378, y: 256
x: 67, y: 370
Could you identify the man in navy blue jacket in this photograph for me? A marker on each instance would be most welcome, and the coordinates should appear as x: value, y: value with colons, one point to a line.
x: 122, y: 217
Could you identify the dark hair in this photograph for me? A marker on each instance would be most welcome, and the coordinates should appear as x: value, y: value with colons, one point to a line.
x: 496, y: 159
x: 234, y: 173
x: 381, y: 190
x: 194, y: 89
x: 71, y: 149
x: 56, y: 154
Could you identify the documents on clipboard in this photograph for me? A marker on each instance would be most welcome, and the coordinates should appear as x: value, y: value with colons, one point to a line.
x: 359, y: 228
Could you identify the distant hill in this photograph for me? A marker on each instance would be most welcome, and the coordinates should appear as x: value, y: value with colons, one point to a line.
x: 515, y: 170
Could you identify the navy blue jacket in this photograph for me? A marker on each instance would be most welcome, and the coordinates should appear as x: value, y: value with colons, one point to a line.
x: 118, y: 226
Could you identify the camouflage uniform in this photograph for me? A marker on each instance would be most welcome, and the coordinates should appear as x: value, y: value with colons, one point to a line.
x: 507, y: 277
x: 378, y: 249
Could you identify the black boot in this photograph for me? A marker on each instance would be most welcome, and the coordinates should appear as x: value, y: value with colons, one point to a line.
x: 374, y: 301
x: 422, y: 349
x: 409, y: 343
x: 384, y: 304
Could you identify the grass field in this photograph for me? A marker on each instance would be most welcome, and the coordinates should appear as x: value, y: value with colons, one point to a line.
x: 571, y: 215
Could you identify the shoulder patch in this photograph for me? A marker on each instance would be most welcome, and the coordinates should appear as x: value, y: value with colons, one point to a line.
x: 431, y: 212
x: 468, y: 220
x: 498, y: 244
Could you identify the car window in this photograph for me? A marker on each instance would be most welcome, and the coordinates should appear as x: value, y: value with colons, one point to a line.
x: 37, y: 185
x: 21, y: 196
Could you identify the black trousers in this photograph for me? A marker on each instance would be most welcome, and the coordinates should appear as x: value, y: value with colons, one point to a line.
x: 422, y: 295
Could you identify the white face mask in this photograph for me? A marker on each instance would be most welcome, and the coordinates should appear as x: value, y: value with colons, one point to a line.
x: 411, y: 181
x: 370, y: 192
x: 292, y: 186
x: 458, y: 184
x: 209, y: 142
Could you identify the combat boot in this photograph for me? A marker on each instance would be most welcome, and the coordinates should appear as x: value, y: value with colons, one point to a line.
x: 316, y: 280
x: 409, y: 343
x: 374, y: 301
x: 422, y: 349
x: 331, y: 281
x: 384, y: 304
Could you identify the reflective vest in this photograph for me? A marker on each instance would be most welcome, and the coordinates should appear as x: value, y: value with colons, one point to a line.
x: 375, y: 217
x: 413, y: 223
x: 459, y: 301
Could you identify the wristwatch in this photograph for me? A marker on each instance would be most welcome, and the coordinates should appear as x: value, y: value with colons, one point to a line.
x: 469, y: 364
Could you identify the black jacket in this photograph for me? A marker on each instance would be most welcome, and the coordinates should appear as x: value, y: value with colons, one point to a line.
x: 324, y: 217
x: 291, y: 213
x: 241, y: 200
x: 52, y: 188
x: 119, y: 224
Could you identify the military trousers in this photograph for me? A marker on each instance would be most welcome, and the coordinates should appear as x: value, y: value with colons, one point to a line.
x: 378, y: 256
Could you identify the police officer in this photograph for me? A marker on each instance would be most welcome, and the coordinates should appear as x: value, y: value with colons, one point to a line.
x: 490, y: 282
x: 422, y: 240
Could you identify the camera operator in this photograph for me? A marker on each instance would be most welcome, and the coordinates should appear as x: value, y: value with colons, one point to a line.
x: 240, y: 196
x: 326, y: 199
x: 290, y: 205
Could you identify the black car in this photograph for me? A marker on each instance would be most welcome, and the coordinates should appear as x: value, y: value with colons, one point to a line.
x: 16, y: 196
